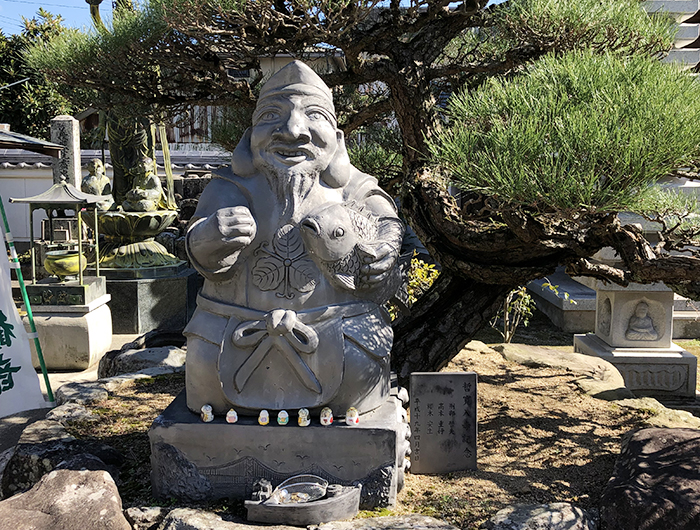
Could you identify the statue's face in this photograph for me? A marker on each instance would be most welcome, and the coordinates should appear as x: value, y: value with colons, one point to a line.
x: 293, y: 132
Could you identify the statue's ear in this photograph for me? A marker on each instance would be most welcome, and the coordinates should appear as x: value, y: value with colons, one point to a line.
x: 337, y: 174
x: 242, y: 159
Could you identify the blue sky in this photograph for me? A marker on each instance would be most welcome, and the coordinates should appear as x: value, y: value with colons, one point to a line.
x: 75, y: 13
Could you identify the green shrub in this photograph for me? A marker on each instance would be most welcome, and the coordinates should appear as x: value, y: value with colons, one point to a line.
x: 583, y: 130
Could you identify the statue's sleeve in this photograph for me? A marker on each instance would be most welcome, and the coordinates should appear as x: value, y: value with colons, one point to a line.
x: 219, y: 193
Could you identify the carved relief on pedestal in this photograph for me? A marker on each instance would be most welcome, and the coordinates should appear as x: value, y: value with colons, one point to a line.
x: 604, y: 316
x: 666, y: 378
x: 641, y: 325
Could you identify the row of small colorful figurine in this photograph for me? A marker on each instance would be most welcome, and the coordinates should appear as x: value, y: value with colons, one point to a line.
x: 352, y: 417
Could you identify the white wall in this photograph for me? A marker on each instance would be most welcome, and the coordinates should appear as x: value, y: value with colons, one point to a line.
x: 19, y: 183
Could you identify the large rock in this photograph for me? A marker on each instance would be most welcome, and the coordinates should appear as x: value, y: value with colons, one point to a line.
x: 555, y: 516
x: 69, y: 412
x: 655, y: 484
x: 145, y: 517
x: 397, y: 522
x: 661, y: 416
x: 43, y: 446
x: 81, y: 393
x: 67, y: 500
x: 4, y: 459
x: 167, y: 358
x: 190, y: 519
x: 600, y: 378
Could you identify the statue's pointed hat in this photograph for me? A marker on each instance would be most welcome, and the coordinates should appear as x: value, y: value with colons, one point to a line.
x: 298, y: 78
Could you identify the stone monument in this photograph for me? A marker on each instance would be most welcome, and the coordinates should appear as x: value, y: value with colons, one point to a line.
x: 443, y: 422
x: 298, y: 250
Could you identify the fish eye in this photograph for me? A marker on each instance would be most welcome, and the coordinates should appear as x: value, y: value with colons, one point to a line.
x: 339, y: 232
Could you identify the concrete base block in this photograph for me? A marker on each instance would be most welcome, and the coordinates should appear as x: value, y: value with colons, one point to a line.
x: 72, y: 337
x: 655, y: 372
x: 195, y: 461
x: 143, y: 304
x: 571, y: 308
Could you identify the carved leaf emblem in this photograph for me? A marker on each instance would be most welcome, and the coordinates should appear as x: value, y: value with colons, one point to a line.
x: 302, y: 275
x: 288, y: 243
x: 285, y: 262
x: 268, y: 273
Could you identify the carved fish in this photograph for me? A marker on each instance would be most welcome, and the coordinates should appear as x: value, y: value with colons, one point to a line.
x: 339, y: 237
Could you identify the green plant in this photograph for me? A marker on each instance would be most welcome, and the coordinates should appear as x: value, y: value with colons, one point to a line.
x: 517, y: 308
x: 420, y: 278
x: 555, y: 289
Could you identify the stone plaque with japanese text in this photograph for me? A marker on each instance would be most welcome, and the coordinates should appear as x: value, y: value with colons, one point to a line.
x: 443, y: 422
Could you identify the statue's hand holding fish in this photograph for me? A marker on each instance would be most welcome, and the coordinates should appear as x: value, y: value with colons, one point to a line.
x: 345, y: 242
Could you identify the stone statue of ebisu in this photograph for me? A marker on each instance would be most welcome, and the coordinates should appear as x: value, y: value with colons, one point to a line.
x: 298, y: 249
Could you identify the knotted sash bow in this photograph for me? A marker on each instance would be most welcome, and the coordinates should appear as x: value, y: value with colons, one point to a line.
x: 281, y: 329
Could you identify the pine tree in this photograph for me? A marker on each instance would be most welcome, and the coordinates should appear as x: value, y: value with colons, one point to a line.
x: 524, y: 75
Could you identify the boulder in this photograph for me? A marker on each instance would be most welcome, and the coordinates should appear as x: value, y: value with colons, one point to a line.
x: 655, y: 483
x: 66, y: 500
x: 554, y: 516
x: 42, y: 447
x: 69, y: 412
x: 168, y: 358
x: 145, y: 517
x: 81, y: 393
x: 600, y: 378
x: 4, y: 459
x: 396, y: 522
x: 661, y: 416
x: 190, y: 519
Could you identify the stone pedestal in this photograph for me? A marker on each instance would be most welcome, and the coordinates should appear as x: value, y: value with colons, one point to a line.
x: 72, y: 337
x: 141, y: 303
x: 52, y: 292
x: 633, y: 331
x: 657, y: 372
x: 195, y: 461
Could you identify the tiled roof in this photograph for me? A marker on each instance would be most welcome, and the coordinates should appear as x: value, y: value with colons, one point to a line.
x: 20, y: 159
x: 17, y: 141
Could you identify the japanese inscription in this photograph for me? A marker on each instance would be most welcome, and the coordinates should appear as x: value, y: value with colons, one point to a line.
x: 443, y: 422
x: 6, y: 368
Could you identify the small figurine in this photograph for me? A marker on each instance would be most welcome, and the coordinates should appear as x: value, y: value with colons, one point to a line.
x: 231, y: 416
x: 326, y: 416
x: 304, y: 420
x: 283, y: 418
x: 264, y: 417
x: 352, y: 417
x: 207, y: 415
x: 641, y: 326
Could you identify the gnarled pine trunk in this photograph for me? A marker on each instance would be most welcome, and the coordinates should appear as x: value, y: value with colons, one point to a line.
x: 441, y: 322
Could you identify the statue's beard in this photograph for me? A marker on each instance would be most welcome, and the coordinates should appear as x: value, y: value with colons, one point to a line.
x: 291, y: 187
